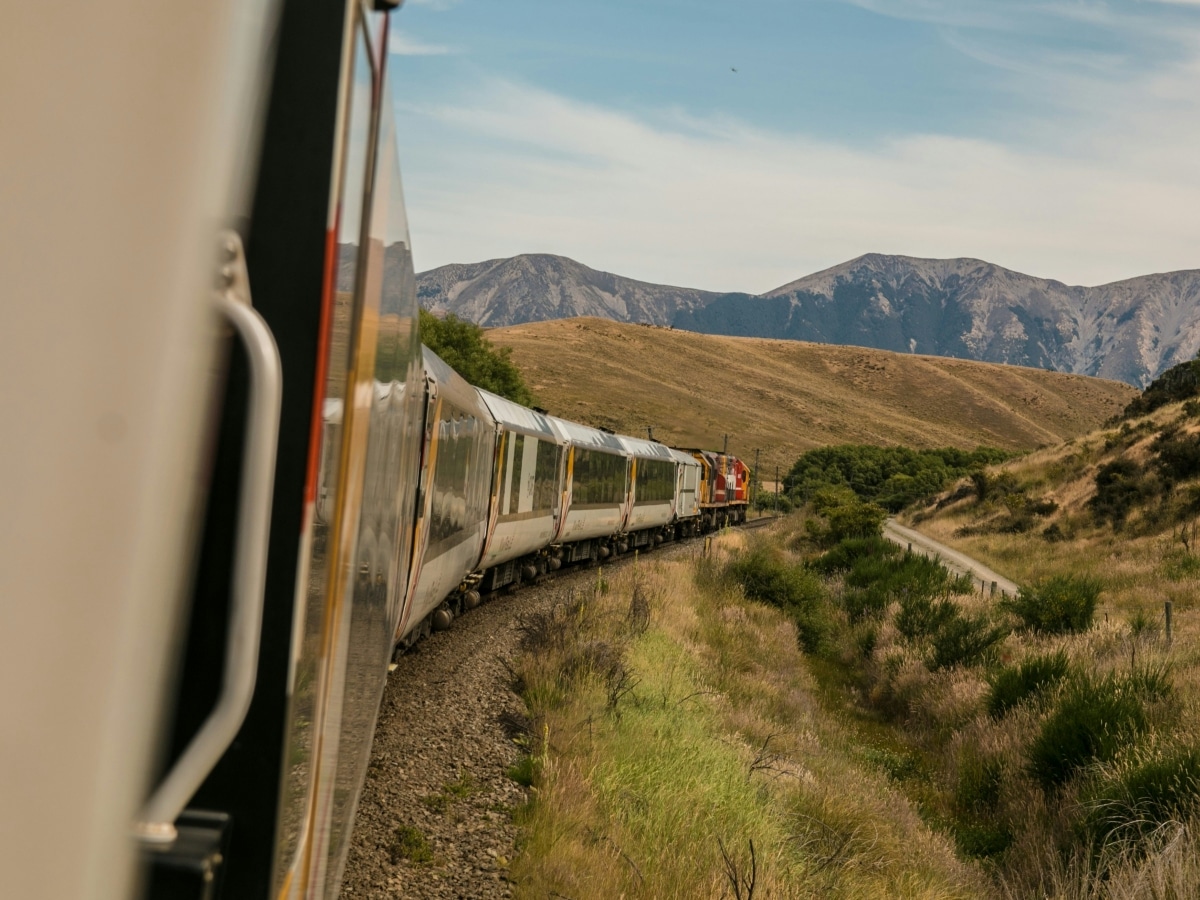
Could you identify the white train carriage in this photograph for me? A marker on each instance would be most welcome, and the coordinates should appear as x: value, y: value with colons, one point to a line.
x: 652, y: 478
x: 687, y: 493
x: 527, y: 495
x: 458, y: 460
x: 596, y: 491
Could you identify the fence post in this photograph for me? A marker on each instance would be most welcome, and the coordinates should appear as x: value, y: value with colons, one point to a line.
x: 993, y: 589
x: 910, y: 546
x: 1169, y: 610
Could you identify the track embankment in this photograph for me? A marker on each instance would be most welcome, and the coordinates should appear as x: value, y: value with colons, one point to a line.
x: 948, y: 556
x: 435, y: 819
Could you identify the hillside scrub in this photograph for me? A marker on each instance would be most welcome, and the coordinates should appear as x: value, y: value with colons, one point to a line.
x: 1180, y: 382
x: 1027, y: 717
x: 889, y: 477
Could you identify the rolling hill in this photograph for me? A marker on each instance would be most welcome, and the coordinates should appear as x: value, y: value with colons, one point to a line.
x: 789, y: 396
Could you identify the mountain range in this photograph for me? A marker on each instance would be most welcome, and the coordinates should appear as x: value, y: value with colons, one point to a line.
x: 964, y: 308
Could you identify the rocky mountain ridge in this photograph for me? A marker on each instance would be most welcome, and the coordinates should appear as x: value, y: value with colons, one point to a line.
x: 1129, y: 330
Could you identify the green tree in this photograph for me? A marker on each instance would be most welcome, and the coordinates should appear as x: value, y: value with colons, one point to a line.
x: 464, y: 348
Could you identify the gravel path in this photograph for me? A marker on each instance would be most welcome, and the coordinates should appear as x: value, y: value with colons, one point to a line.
x: 951, y: 558
x: 438, y: 785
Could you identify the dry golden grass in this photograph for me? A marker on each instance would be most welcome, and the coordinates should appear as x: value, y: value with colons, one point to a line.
x: 788, y: 396
x: 721, y: 741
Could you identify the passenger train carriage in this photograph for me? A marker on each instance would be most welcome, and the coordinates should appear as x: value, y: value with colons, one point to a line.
x: 270, y: 484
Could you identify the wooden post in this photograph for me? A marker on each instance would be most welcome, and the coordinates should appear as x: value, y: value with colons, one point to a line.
x: 910, y: 546
x: 1169, y: 610
x: 993, y: 589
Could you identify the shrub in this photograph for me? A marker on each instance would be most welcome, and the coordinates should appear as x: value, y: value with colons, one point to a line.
x: 1142, y: 792
x: 765, y: 576
x: 1120, y: 485
x: 849, y: 551
x: 920, y: 615
x: 1178, y: 456
x: 854, y: 520
x: 1057, y: 605
x: 1013, y: 684
x: 1093, y: 719
x: 963, y: 640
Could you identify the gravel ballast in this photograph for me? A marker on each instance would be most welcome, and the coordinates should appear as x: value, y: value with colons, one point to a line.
x: 435, y: 819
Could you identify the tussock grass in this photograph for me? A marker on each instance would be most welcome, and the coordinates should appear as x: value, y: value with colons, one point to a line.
x: 718, y: 745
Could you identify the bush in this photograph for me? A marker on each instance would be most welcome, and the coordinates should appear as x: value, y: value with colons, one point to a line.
x: 1120, y: 486
x: 1178, y: 456
x: 1013, y: 684
x: 848, y: 551
x: 1057, y: 605
x: 963, y: 640
x: 1094, y: 718
x: 854, y: 520
x: 1142, y: 792
x: 921, y: 616
x: 768, y: 578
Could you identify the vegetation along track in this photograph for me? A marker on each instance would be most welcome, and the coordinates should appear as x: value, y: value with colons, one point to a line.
x: 435, y: 819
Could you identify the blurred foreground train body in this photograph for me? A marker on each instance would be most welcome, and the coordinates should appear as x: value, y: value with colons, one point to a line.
x: 252, y: 493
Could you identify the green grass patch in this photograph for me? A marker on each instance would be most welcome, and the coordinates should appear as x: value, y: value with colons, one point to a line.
x: 409, y: 844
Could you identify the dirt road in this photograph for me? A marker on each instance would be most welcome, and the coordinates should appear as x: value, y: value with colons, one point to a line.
x: 951, y: 558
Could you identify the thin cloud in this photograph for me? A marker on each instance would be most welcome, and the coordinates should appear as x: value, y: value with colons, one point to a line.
x: 720, y: 205
x: 401, y: 44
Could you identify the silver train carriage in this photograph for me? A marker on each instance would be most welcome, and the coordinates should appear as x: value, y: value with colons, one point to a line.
x: 652, y: 481
x: 596, y: 492
x: 527, y: 495
x: 453, y: 510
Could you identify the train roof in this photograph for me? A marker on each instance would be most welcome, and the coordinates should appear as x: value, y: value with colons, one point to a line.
x: 586, y: 436
x: 516, y: 417
x: 682, y: 456
x: 644, y: 449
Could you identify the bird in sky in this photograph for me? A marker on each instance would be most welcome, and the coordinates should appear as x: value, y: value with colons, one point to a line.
x: 732, y: 69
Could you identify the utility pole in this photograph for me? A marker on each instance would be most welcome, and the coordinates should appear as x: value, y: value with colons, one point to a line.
x: 777, y: 490
x: 726, y: 450
x: 754, y: 482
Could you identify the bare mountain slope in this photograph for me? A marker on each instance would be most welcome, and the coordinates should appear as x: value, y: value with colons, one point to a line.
x: 787, y: 396
x: 535, y: 287
x: 965, y: 308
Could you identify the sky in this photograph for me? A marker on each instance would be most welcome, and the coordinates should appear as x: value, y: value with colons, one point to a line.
x: 737, y: 146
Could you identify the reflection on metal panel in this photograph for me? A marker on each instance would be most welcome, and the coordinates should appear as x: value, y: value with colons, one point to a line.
x: 356, y: 549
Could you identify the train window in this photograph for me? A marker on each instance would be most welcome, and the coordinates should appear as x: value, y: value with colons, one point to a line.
x: 545, y: 479
x: 518, y: 459
x: 453, y: 510
x: 655, y: 481
x: 598, y: 478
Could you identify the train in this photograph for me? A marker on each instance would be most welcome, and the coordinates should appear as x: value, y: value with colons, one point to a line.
x: 239, y: 484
